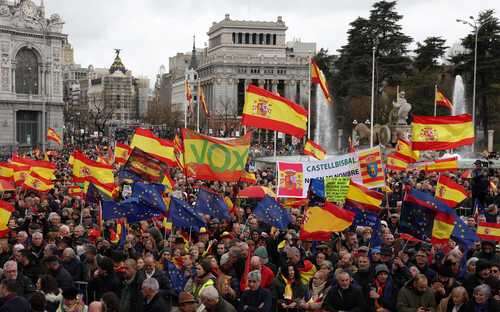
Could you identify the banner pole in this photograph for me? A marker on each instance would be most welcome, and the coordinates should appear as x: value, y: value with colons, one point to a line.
x: 435, y: 106
x: 275, y: 139
x: 309, y: 101
x: 198, y: 106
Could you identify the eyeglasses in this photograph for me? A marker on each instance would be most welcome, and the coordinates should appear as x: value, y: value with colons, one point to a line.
x: 495, y: 270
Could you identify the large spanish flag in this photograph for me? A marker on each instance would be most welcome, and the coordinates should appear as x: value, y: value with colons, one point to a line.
x: 209, y: 158
x: 6, y: 209
x: 361, y: 197
x: 43, y: 168
x: 122, y: 151
x: 370, y: 163
x: 318, y: 77
x: 266, y: 110
x: 488, y: 231
x: 53, y: 136
x: 442, y: 132
x: 159, y: 148
x: 403, y: 148
x: 443, y: 226
x: 37, y: 183
x: 396, y: 162
x: 320, y: 223
x: 443, y: 101
x: 442, y: 165
x: 85, y: 169
x: 20, y: 173
x: 450, y: 192
x: 314, y: 150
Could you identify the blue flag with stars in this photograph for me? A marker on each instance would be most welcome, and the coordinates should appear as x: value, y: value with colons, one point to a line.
x: 270, y: 212
x: 463, y: 234
x: 131, y: 208
x: 415, y: 219
x: 317, y: 187
x: 212, y: 204
x: 370, y: 219
x: 150, y: 195
x: 177, y: 278
x: 183, y: 216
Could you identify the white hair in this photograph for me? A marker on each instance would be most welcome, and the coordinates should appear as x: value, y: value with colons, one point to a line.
x: 52, y: 215
x: 210, y: 293
x: 255, y: 275
x: 151, y: 283
x: 484, y: 289
x: 10, y: 264
x: 64, y: 227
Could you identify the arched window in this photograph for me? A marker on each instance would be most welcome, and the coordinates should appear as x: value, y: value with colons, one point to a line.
x: 240, y: 38
x: 261, y: 38
x: 254, y: 38
x: 268, y: 38
x: 26, y: 72
x: 274, y: 39
x: 247, y: 38
x: 234, y: 37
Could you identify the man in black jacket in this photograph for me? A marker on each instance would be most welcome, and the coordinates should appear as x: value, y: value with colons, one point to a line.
x: 131, y: 298
x: 10, y: 301
x: 153, y: 301
x: 343, y: 296
x: 64, y: 279
x: 256, y: 298
x: 24, y: 286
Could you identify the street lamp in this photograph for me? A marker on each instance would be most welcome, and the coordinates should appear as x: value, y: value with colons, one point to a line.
x: 476, y: 25
x: 373, y: 95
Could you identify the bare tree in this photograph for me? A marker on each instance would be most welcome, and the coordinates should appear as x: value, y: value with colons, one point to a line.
x: 99, y: 116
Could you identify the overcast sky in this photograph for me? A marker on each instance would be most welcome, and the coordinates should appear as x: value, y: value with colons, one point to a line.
x: 150, y: 31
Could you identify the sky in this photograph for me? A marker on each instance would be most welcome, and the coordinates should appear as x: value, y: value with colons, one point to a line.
x: 150, y: 31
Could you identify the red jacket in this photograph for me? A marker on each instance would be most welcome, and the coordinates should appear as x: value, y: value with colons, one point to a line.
x: 267, y: 277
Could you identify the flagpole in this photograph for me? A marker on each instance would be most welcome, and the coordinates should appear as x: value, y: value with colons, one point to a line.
x: 309, y: 101
x: 373, y: 96
x: 275, y: 139
x: 435, y: 93
x: 198, y: 104
x: 187, y: 103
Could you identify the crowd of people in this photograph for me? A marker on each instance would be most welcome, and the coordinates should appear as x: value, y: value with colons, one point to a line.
x: 57, y: 256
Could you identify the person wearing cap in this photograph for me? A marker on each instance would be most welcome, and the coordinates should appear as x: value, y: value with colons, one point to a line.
x: 421, y: 261
x: 187, y: 303
x: 382, y: 292
x: 204, y: 236
x: 256, y: 298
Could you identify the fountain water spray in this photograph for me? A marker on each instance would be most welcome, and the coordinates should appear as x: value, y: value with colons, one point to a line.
x: 324, y: 132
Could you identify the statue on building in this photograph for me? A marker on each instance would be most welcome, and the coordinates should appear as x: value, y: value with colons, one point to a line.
x: 401, y: 108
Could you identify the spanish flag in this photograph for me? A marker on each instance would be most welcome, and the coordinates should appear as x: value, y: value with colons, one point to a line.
x: 450, y: 192
x: 314, y: 150
x: 37, y: 183
x: 188, y: 94
x: 442, y: 165
x: 442, y: 132
x: 209, y: 158
x: 403, y: 148
x: 443, y: 226
x: 85, y: 169
x: 443, y: 101
x: 53, y: 136
x: 43, y: 168
x: 395, y: 162
x: 248, y: 177
x: 295, y: 202
x: 179, y: 152
x: 6, y: 171
x: 75, y: 191
x: 488, y: 231
x: 6, y: 209
x: 266, y: 110
x: 370, y: 163
x: 122, y: 151
x: 318, y: 77
x: 20, y: 173
x: 361, y: 197
x: 203, y: 102
x: 151, y: 144
x: 320, y: 223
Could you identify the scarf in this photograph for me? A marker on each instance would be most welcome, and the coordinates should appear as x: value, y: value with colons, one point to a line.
x: 288, y: 292
x: 317, y: 292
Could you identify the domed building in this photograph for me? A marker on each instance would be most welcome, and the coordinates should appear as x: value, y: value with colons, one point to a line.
x: 31, y: 87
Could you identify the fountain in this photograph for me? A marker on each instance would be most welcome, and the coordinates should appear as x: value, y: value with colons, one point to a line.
x: 458, y: 96
x: 324, y: 132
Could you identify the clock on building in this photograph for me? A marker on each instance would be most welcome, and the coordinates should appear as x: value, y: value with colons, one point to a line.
x: 29, y: 9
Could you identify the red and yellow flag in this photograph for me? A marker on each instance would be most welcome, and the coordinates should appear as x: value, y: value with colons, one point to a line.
x: 248, y: 177
x: 159, y: 148
x: 320, y: 223
x: 396, y: 163
x: 86, y: 170
x: 189, y: 95
x: 318, y: 77
x: 361, y: 197
x: 443, y: 101
x: 370, y: 163
x: 266, y: 110
x: 442, y: 165
x: 75, y: 191
x: 53, y: 136
x: 314, y: 150
x: 209, y: 158
x: 442, y: 228
x: 442, y: 132
x: 203, y: 102
x: 450, y: 192
x: 403, y: 148
x: 20, y: 173
x: 488, y: 231
x: 179, y: 152
x: 6, y: 171
x: 43, y: 168
x: 122, y: 151
x: 168, y: 182
x: 37, y: 183
x: 6, y: 210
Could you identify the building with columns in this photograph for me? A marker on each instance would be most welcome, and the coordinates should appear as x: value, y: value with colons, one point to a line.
x: 31, y: 88
x: 240, y: 53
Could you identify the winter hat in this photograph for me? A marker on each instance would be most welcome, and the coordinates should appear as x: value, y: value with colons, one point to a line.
x: 261, y: 252
x: 381, y: 268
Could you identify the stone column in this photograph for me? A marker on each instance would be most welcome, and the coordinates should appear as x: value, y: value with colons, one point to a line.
x: 274, y: 86
x: 340, y: 133
x: 262, y: 83
x: 305, y: 88
x: 292, y: 90
x: 490, y: 140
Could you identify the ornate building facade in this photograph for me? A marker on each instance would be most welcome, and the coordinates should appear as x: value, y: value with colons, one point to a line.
x: 31, y: 88
x: 240, y: 53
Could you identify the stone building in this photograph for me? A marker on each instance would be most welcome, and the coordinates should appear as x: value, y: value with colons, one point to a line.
x: 31, y: 89
x: 240, y: 53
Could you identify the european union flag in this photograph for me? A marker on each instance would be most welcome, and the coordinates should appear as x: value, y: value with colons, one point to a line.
x: 124, y: 174
x: 93, y: 195
x: 370, y: 219
x: 429, y: 201
x: 416, y: 220
x: 111, y: 210
x: 131, y: 208
x: 183, y: 216
x: 270, y: 211
x: 317, y: 187
x: 212, y: 204
x: 463, y: 234
x: 177, y: 279
x: 150, y: 195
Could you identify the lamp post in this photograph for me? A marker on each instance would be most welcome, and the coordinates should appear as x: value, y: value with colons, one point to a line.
x: 373, y: 96
x: 476, y: 25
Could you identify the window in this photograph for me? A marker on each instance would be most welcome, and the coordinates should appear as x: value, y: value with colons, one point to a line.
x: 268, y: 38
x: 27, y: 127
x: 261, y: 38
x: 247, y: 38
x: 240, y: 38
x: 254, y: 38
x: 274, y: 39
x: 234, y: 37
x: 26, y: 72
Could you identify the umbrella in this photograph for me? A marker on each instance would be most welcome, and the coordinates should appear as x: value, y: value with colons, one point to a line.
x: 256, y: 192
x: 6, y: 186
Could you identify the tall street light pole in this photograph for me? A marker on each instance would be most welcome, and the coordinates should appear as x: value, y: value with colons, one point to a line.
x: 476, y: 25
x: 373, y: 96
